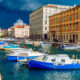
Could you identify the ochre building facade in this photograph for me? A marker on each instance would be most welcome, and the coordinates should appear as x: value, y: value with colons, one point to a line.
x: 65, y: 26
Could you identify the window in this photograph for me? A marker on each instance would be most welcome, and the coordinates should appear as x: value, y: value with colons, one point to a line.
x: 53, y: 60
x: 76, y: 26
x: 70, y: 26
x: 73, y: 26
x: 64, y: 37
x: 45, y: 16
x: 67, y: 18
x: 67, y: 27
x: 56, y: 20
x: 64, y: 27
x: 45, y: 10
x: 62, y: 60
x: 70, y: 37
x: 70, y: 17
x: 45, y: 22
x: 77, y: 15
x: 64, y: 18
x: 76, y: 36
x: 73, y: 16
x: 45, y: 28
x: 44, y: 58
x: 67, y: 37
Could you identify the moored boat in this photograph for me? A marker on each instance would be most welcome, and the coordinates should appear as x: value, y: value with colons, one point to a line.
x: 7, y: 47
x: 68, y: 47
x: 60, y: 61
x: 23, y: 54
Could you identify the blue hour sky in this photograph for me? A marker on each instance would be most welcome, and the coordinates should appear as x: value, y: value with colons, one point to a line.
x: 11, y: 10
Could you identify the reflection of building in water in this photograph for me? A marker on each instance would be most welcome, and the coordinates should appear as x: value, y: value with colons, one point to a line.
x: 63, y: 75
x: 1, y: 33
x: 59, y: 75
x: 45, y: 47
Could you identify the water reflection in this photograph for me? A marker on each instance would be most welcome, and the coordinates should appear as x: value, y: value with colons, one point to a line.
x: 14, y: 71
x: 62, y: 75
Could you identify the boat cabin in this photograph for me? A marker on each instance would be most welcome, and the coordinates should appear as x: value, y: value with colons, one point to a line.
x: 59, y: 59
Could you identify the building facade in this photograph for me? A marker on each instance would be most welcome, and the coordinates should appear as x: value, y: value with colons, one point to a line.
x: 39, y: 20
x: 20, y: 29
x: 1, y: 33
x: 65, y: 26
x: 5, y: 32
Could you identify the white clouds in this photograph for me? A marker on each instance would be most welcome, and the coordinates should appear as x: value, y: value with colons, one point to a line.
x: 1, y: 0
x: 22, y: 5
x: 30, y: 5
x: 33, y: 4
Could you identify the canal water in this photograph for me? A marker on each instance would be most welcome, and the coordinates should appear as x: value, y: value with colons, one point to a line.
x: 11, y: 70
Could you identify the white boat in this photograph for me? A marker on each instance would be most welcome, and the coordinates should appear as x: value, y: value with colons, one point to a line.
x: 59, y: 61
x: 28, y: 42
x: 24, y: 54
x: 69, y: 47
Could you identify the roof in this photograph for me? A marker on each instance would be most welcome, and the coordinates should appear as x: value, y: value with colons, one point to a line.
x: 53, y: 6
x: 65, y: 11
x: 48, y: 5
x: 19, y: 26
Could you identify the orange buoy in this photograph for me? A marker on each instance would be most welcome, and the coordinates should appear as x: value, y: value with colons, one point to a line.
x: 73, y: 56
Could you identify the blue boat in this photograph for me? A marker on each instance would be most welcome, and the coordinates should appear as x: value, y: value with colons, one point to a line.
x: 60, y: 62
x: 23, y: 54
x: 9, y: 46
x: 68, y: 47
x: 1, y: 43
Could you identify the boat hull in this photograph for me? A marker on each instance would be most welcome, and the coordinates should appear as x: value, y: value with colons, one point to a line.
x: 46, y: 65
x: 16, y: 58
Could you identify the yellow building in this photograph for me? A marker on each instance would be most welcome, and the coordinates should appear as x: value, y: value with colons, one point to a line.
x: 65, y: 26
x: 1, y: 33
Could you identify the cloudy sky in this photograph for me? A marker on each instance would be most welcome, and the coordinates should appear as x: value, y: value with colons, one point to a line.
x: 11, y: 10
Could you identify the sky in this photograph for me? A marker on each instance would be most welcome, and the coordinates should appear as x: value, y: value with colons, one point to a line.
x: 11, y: 10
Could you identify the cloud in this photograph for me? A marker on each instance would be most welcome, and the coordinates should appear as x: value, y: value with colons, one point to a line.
x: 22, y: 5
x: 31, y: 5
x: 1, y: 0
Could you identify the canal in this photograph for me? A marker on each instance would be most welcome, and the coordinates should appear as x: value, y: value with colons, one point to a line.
x: 11, y: 70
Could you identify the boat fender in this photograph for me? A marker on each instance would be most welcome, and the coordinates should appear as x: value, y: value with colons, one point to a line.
x: 55, y: 64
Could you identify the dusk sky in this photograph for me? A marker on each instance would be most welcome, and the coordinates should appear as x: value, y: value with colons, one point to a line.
x: 11, y: 10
